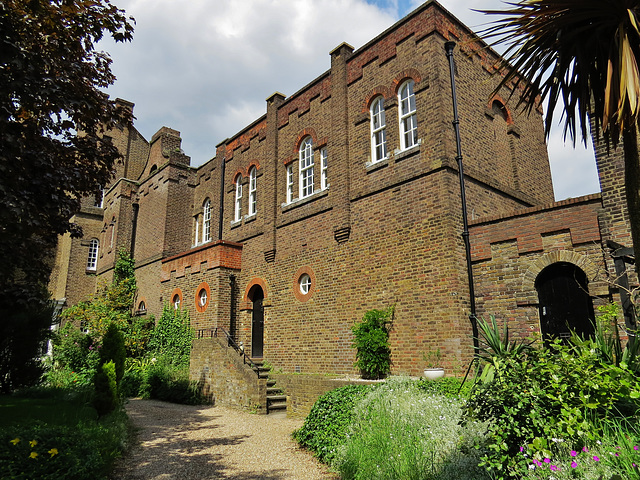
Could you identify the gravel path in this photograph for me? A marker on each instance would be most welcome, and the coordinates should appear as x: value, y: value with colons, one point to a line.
x: 180, y: 442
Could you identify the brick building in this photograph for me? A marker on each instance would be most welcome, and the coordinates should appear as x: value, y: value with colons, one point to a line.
x: 344, y: 197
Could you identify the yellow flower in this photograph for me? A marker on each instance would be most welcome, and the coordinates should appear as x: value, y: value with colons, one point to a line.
x: 15, y: 441
x: 33, y: 443
x: 53, y: 451
x: 33, y: 455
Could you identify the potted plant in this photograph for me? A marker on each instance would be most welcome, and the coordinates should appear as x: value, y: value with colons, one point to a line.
x: 433, y: 368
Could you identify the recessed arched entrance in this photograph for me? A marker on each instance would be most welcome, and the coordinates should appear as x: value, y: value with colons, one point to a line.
x: 256, y: 295
x: 564, y: 302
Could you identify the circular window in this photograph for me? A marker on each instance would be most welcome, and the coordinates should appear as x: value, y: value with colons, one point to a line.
x: 203, y: 294
x: 305, y: 284
x: 202, y: 297
x: 176, y: 301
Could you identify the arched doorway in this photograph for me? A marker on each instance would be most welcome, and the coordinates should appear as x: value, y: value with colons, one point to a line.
x: 257, y: 321
x: 564, y: 302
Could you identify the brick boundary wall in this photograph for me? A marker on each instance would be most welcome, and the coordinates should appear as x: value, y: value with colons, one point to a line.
x: 302, y: 391
x: 224, y: 378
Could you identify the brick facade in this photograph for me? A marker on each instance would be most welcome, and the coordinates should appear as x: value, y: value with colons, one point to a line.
x: 378, y: 233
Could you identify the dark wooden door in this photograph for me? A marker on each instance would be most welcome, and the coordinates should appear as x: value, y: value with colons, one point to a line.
x: 565, y: 304
x: 257, y: 324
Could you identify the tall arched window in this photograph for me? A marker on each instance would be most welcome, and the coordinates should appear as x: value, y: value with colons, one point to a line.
x: 408, y: 119
x: 92, y: 258
x: 237, y: 216
x: 324, y: 171
x: 206, y: 221
x: 306, y: 167
x: 253, y: 190
x: 378, y: 131
x: 289, y: 183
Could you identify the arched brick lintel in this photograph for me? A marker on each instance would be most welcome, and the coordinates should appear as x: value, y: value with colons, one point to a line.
x: 528, y: 289
x: 255, y: 281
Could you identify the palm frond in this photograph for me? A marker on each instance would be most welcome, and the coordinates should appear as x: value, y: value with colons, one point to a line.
x: 580, y: 54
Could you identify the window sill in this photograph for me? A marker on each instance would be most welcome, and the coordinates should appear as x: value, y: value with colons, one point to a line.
x: 402, y: 154
x: 297, y: 202
x: 236, y: 223
x: 373, y: 166
x: 249, y: 218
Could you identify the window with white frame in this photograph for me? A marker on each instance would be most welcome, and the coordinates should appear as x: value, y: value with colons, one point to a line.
x: 112, y: 236
x: 408, y: 119
x: 92, y: 258
x: 306, y: 168
x: 237, y: 216
x: 289, y: 183
x: 206, y: 221
x: 253, y: 187
x: 196, y: 237
x: 324, y: 161
x: 378, y: 131
x: 305, y: 284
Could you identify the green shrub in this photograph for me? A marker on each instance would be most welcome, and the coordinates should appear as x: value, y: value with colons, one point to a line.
x: 547, y: 397
x: 171, y: 384
x: 371, y: 340
x: 449, y: 387
x: 62, y: 452
x: 106, y: 389
x: 172, y: 337
x: 400, y: 432
x: 325, y: 427
x: 113, y: 350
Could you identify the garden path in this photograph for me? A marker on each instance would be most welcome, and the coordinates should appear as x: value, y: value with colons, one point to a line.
x: 181, y: 442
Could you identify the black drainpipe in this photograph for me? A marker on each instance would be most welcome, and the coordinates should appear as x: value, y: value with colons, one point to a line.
x: 134, y: 228
x: 449, y: 46
x: 221, y: 211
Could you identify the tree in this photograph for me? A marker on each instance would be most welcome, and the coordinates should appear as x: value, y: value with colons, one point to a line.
x: 52, y: 122
x: 583, y: 54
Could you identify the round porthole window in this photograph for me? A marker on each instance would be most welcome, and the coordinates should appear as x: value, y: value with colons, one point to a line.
x: 305, y: 284
x: 202, y: 297
x: 203, y: 294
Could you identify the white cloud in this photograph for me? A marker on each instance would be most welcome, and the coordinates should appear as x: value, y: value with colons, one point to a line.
x: 205, y: 68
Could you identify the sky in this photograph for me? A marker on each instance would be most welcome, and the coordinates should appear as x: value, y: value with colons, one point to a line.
x: 206, y: 68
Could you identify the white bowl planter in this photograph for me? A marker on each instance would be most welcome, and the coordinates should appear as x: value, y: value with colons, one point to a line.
x: 433, y: 373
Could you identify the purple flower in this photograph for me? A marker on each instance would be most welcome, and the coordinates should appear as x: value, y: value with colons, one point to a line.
x: 554, y: 468
x: 596, y: 458
x: 547, y: 460
x: 521, y: 449
x: 574, y: 453
x: 537, y: 462
x: 585, y: 449
x: 636, y: 447
x: 574, y: 464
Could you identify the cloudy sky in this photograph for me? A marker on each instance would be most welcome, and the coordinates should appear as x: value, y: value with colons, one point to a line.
x: 205, y: 67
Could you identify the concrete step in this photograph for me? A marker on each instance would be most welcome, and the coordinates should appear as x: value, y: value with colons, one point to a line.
x: 274, y: 391
x: 276, y: 398
x: 277, y: 407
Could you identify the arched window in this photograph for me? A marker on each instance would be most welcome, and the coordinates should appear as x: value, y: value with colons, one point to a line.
x: 306, y: 167
x: 237, y: 216
x: 564, y: 302
x: 176, y: 301
x: 206, y: 221
x: 324, y: 161
x: 112, y: 236
x: 408, y: 119
x: 253, y: 186
x: 378, y: 131
x: 92, y: 258
x: 289, y: 183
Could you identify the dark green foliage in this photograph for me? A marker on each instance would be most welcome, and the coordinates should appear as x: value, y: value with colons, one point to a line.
x: 106, y: 394
x: 165, y: 383
x: 51, y: 87
x: 172, y: 337
x: 326, y: 425
x: 448, y: 387
x: 112, y: 350
x: 24, y: 330
x: 84, y: 451
x: 562, y: 392
x: 371, y: 339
